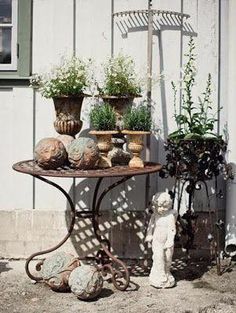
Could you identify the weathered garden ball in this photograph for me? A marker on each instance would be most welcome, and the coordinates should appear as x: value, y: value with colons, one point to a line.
x: 66, y: 140
x: 86, y: 282
x: 56, y: 270
x: 50, y: 153
x: 83, y: 153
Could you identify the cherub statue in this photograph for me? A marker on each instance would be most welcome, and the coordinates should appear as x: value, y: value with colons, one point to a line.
x: 161, y: 231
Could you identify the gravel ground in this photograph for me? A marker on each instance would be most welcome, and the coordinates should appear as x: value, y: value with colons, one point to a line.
x: 198, y: 290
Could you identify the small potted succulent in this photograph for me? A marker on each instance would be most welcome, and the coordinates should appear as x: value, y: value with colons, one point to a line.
x: 194, y: 151
x: 103, y: 121
x: 120, y: 85
x: 66, y: 85
x: 137, y: 123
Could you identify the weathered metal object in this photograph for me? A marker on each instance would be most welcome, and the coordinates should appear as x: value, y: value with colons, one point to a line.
x: 192, y: 162
x: 104, y: 146
x: 108, y: 264
x: 120, y: 104
x: 50, y: 153
x: 83, y: 153
x: 135, y: 146
x: 86, y: 282
x: 195, y: 159
x: 31, y: 167
x: 68, y: 114
x: 117, y: 155
x: 56, y: 270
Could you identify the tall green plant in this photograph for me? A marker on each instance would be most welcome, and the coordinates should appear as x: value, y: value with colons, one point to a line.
x: 196, y: 118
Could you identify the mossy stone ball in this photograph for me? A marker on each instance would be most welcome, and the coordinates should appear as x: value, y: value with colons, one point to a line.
x: 50, y: 153
x: 83, y: 153
x: 56, y: 270
x: 86, y: 282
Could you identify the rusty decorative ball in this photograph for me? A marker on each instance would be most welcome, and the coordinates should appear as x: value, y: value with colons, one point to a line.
x: 56, y: 270
x: 86, y: 282
x: 66, y: 140
x: 83, y: 153
x: 50, y: 153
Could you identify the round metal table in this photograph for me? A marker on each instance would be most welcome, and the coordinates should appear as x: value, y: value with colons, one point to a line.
x: 106, y: 261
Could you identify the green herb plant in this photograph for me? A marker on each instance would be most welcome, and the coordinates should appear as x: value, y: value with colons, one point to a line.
x: 103, y: 117
x: 138, y: 118
x: 196, y: 119
x: 120, y: 77
x: 70, y: 78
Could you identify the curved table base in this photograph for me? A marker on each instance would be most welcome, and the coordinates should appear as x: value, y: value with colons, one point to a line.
x: 72, y: 223
x: 107, y: 262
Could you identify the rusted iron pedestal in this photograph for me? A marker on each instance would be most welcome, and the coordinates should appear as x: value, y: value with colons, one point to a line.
x: 106, y: 261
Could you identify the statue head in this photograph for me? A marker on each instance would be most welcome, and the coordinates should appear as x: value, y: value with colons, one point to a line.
x: 161, y: 202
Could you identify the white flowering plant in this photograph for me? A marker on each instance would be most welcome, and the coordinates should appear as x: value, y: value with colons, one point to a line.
x: 70, y: 78
x: 196, y: 119
x: 120, y: 78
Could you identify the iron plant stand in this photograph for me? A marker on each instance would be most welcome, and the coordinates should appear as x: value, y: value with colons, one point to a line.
x: 190, y: 217
x: 192, y: 163
x: 107, y: 263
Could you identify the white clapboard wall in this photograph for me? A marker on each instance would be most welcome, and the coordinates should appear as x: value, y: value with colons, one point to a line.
x: 84, y: 27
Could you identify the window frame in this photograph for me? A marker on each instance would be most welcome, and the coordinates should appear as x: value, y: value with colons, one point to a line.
x: 21, y: 75
x: 14, y: 32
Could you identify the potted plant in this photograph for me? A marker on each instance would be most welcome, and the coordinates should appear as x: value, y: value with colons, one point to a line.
x: 66, y: 85
x: 194, y: 150
x: 137, y: 123
x: 119, y: 88
x: 120, y: 85
x: 103, y: 121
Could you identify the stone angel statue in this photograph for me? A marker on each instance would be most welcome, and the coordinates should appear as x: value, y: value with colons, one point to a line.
x: 161, y: 231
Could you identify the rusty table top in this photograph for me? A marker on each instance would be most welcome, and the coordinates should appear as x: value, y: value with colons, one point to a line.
x: 31, y: 167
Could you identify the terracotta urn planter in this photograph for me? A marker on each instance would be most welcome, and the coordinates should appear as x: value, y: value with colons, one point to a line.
x: 104, y: 146
x: 68, y: 114
x: 136, y: 146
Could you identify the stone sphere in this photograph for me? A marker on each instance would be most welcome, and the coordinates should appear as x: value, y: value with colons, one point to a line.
x: 56, y: 270
x: 86, y: 282
x: 50, y: 153
x: 83, y: 153
x: 66, y: 140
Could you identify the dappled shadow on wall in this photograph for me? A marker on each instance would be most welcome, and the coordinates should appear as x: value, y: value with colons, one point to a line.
x: 123, y: 219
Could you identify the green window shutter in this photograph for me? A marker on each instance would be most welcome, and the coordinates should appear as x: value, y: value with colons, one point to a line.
x: 24, y: 38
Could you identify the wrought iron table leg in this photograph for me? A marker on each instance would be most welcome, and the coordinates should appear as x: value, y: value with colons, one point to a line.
x: 106, y: 259
x: 38, y: 266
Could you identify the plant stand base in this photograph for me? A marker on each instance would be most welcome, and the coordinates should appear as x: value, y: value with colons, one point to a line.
x: 104, y: 162
x: 136, y: 162
x: 117, y: 155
